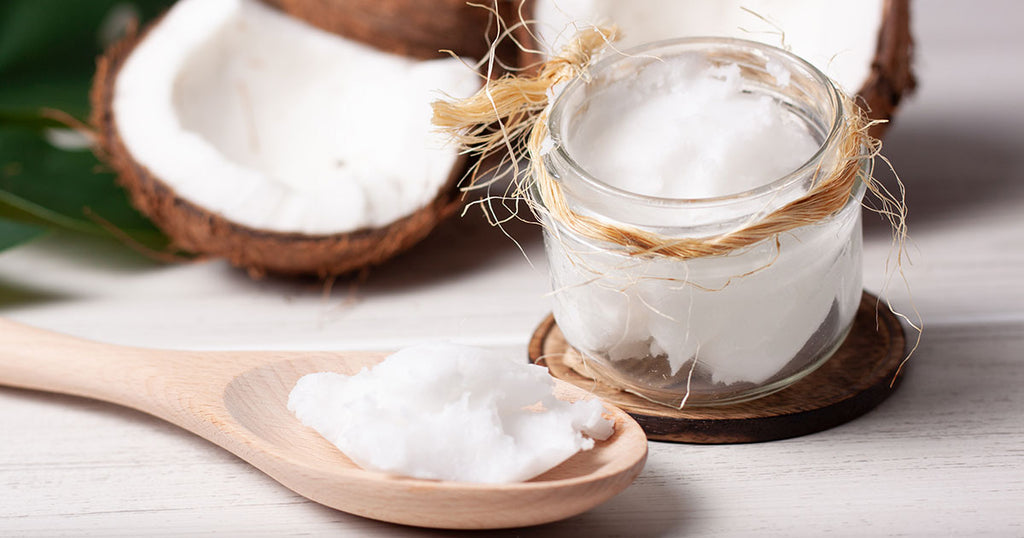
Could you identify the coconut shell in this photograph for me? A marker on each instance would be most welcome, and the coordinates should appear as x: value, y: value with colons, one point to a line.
x: 414, y: 28
x: 196, y: 229
x: 891, y: 76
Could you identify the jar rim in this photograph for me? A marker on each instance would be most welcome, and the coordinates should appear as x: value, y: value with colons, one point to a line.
x: 560, y: 149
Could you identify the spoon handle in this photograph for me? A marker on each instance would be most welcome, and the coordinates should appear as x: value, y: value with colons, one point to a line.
x: 143, y: 379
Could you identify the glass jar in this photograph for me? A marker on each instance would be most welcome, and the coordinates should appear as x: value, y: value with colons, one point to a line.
x: 706, y: 330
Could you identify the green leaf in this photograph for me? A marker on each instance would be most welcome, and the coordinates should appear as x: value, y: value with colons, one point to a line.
x: 48, y: 50
x: 15, y: 233
x: 43, y: 185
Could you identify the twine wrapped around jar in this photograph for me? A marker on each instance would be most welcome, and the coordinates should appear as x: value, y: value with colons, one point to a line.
x: 509, y: 116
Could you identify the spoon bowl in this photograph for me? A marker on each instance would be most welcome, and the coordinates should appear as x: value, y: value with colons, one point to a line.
x: 238, y: 400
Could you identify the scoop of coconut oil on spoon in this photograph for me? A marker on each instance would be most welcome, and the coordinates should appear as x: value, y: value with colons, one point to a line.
x: 238, y: 401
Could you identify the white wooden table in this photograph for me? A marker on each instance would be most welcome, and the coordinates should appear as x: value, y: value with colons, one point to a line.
x: 943, y: 456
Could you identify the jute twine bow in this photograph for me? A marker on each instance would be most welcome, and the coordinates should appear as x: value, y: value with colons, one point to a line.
x: 510, y: 115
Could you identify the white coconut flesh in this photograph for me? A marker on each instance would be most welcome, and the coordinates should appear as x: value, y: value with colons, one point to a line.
x: 839, y: 41
x: 281, y: 127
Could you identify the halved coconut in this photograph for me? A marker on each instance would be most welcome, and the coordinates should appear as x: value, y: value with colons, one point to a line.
x: 245, y: 133
x: 865, y: 46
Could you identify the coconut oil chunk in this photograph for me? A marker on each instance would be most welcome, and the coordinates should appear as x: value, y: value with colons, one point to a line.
x: 449, y: 412
x: 687, y: 129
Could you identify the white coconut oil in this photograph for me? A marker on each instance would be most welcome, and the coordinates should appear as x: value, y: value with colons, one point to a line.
x: 697, y: 138
x: 449, y: 412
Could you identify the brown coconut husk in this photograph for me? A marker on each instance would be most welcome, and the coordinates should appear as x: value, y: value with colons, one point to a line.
x: 198, y: 230
x: 891, y: 75
x: 421, y: 29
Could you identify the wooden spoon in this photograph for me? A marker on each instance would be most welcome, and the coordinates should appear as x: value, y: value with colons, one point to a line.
x: 237, y: 400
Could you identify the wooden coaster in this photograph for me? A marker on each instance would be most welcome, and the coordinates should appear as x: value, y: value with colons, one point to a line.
x: 860, y: 374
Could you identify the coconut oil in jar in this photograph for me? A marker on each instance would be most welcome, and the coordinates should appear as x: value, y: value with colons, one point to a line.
x: 701, y: 138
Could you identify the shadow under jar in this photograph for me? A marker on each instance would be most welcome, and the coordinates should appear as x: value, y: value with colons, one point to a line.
x: 715, y: 329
